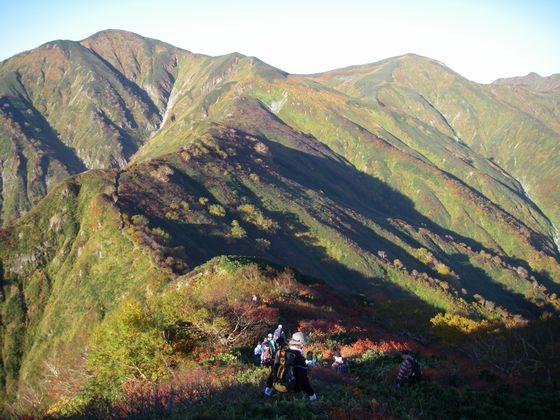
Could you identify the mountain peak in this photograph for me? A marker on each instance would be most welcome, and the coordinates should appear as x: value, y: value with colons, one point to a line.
x: 114, y: 33
x: 119, y: 39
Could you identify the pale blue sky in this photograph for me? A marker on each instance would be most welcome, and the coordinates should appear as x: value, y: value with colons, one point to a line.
x: 482, y: 40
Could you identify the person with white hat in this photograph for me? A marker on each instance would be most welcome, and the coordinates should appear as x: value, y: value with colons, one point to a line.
x: 289, y: 371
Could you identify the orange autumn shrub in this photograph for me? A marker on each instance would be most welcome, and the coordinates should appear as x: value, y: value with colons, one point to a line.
x: 363, y: 345
x: 320, y: 327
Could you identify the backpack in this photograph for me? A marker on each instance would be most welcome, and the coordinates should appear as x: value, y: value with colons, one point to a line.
x: 416, y: 375
x: 266, y: 354
x: 283, y: 371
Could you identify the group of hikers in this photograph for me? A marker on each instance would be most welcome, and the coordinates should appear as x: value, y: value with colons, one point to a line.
x: 289, y: 367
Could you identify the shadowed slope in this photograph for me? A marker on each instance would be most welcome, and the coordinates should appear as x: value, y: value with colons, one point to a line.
x: 481, y: 116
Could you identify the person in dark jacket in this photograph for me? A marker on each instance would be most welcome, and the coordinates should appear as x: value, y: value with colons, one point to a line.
x: 409, y: 371
x: 279, y: 333
x: 302, y: 384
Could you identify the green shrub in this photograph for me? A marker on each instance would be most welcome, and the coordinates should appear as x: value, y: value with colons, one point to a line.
x: 161, y: 234
x: 216, y: 210
x: 237, y: 231
x: 442, y: 269
x: 128, y: 343
x: 253, y: 215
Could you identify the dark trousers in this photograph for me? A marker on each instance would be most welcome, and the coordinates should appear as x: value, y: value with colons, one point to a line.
x: 302, y: 381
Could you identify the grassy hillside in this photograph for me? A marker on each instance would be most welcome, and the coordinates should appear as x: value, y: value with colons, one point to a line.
x: 105, y: 236
x: 126, y: 163
x: 63, y: 267
x: 533, y: 81
x: 186, y: 352
x: 65, y: 107
x: 473, y: 114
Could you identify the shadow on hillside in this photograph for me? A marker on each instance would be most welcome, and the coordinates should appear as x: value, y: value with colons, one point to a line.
x: 131, y: 86
x: 372, y: 198
x: 49, y: 137
x: 496, y: 292
x: 317, y: 187
x: 129, y: 144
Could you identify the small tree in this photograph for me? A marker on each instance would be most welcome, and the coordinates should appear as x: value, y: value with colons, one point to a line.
x: 140, y: 220
x: 237, y: 231
x: 216, y: 210
x: 128, y: 344
x: 442, y: 269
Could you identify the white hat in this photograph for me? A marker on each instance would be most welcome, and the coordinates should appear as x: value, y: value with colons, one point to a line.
x: 298, y: 339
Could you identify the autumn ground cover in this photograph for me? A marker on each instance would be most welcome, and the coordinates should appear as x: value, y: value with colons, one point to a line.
x: 187, y: 354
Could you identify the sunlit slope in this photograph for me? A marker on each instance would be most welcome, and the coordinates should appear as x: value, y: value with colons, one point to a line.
x: 62, y: 266
x: 66, y: 106
x: 279, y: 194
x: 424, y: 164
x: 533, y: 81
x: 525, y: 144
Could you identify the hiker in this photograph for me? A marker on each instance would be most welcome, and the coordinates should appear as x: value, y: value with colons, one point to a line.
x: 257, y: 354
x: 409, y: 372
x: 310, y: 360
x: 267, y: 353
x: 272, y: 342
x: 280, y: 343
x: 279, y: 332
x: 289, y: 372
x: 340, y: 365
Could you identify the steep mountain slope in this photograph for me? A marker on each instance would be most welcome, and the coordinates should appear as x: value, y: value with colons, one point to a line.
x: 57, y: 277
x: 470, y: 113
x: 65, y: 107
x: 416, y: 168
x: 397, y: 180
x: 106, y: 235
x: 148, y: 63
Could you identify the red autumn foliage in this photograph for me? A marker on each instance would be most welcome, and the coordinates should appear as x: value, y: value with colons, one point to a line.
x: 363, y: 345
x: 320, y: 326
x: 141, y: 397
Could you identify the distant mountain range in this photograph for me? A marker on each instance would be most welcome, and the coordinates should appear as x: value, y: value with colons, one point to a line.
x: 126, y: 162
x: 533, y: 81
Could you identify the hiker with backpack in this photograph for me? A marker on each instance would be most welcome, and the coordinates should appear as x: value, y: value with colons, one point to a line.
x: 267, y: 353
x: 409, y: 372
x: 257, y: 351
x: 278, y: 333
x: 272, y: 342
x: 340, y: 365
x: 289, y: 371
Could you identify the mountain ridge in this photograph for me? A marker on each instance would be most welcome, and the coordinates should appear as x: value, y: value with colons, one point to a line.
x: 126, y: 162
x: 532, y: 80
